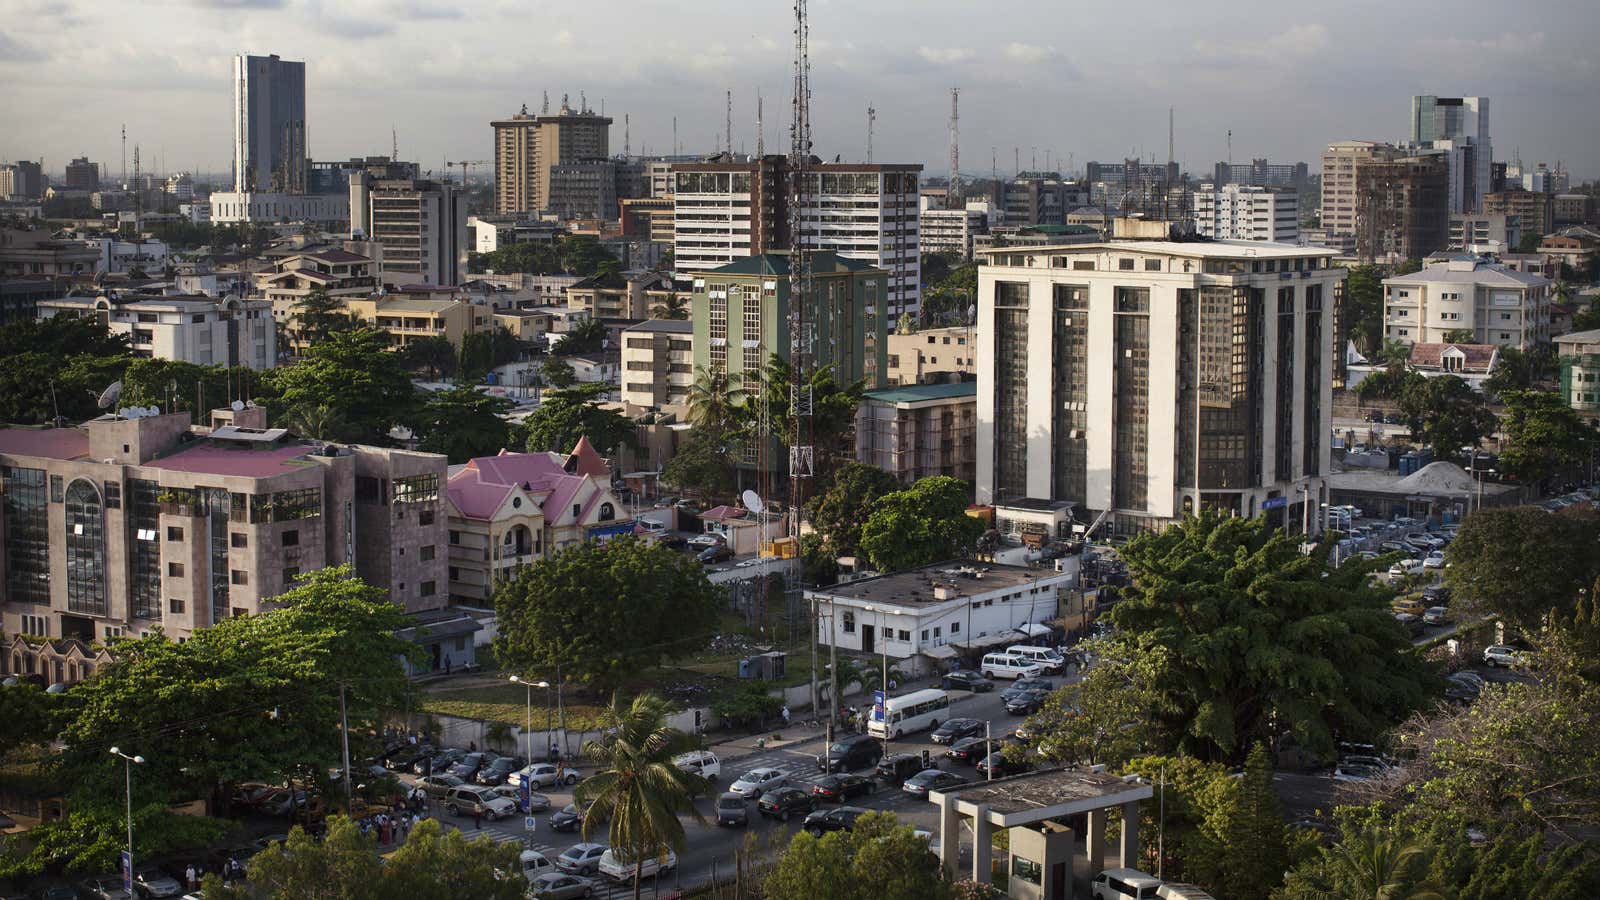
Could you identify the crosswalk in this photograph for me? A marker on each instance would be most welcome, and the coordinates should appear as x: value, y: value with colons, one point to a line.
x: 803, y: 773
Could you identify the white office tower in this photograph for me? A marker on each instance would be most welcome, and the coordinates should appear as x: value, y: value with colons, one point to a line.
x: 1239, y: 212
x: 1458, y: 126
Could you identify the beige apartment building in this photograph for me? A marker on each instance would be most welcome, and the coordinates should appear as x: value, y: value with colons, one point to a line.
x: 1339, y: 206
x: 206, y: 331
x: 526, y: 146
x: 1499, y: 306
x: 658, y: 364
x: 119, y: 526
x: 405, y: 317
x: 921, y: 355
x: 339, y: 273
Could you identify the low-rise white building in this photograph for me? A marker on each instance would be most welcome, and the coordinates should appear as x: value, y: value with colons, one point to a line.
x: 951, y: 230
x: 193, y: 329
x: 229, y: 207
x: 1493, y: 303
x: 1243, y: 212
x: 914, y: 617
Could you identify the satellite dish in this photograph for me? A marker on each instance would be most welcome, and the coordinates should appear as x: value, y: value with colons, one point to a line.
x: 249, y: 404
x: 108, y: 398
x: 236, y: 405
x: 752, y: 502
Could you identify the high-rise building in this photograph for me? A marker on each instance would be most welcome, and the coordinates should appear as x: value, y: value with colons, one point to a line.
x: 269, y: 125
x: 1533, y: 208
x: 1040, y: 198
x: 1496, y: 305
x: 1144, y: 380
x: 1402, y: 207
x: 1460, y: 127
x: 83, y: 175
x: 1339, y: 181
x: 1238, y: 212
x: 1261, y: 173
x: 22, y: 180
x: 421, y: 226
x: 585, y: 189
x: 527, y: 146
x: 728, y: 209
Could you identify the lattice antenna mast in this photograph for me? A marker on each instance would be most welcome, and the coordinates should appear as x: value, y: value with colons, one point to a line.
x: 627, y: 137
x: 761, y: 138
x: 801, y: 452
x: 872, y: 119
x: 953, y: 194
x: 728, y: 126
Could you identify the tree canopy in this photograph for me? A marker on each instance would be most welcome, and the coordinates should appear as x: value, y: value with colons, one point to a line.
x: 1241, y: 638
x: 431, y: 355
x: 604, y: 611
x: 580, y: 255
x: 1362, y: 310
x: 319, y: 315
x: 878, y: 859
x: 1446, y: 414
x: 1517, y: 371
x: 464, y: 422
x: 59, y: 363
x: 353, y: 375
x: 588, y: 336
x: 1544, y: 436
x: 485, y: 350
x: 1522, y: 563
x: 840, y: 512
x: 704, y: 463
x: 566, y: 414
x: 924, y: 523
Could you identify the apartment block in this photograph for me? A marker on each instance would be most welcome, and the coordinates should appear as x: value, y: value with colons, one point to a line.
x: 22, y: 180
x: 1040, y: 198
x: 1578, y: 354
x: 931, y: 354
x: 1573, y: 209
x: 1143, y: 380
x: 952, y: 230
x: 1495, y: 304
x: 1402, y: 207
x: 1339, y: 181
x: 658, y: 364
x: 195, y: 329
x: 1533, y: 208
x: 646, y: 218
x: 421, y: 226
x: 917, y: 431
x: 83, y: 175
x: 1483, y: 233
x: 527, y: 147
x: 583, y: 189
x: 1238, y: 212
x: 122, y: 525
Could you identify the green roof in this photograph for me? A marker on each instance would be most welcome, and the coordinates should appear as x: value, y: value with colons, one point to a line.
x: 911, y: 393
x: 823, y: 262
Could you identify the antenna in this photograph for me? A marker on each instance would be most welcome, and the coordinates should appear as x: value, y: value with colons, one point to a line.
x: 544, y: 108
x: 107, y: 399
x: 1170, y: 157
x: 627, y: 140
x: 1230, y: 154
x: 872, y: 117
x: 953, y: 192
x: 1016, y: 160
x: 124, y: 154
x: 761, y: 133
x: 676, y: 150
x: 394, y: 145
x: 729, y: 126
x: 801, y: 453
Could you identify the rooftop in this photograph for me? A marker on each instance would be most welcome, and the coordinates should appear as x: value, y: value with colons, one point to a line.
x: 1475, y: 357
x: 823, y: 262
x: 50, y: 443
x: 1592, y: 336
x: 1457, y: 271
x: 913, y: 393
x: 915, y: 587
x: 1036, y: 796
x: 206, y: 458
x: 674, y: 326
x: 1197, y: 249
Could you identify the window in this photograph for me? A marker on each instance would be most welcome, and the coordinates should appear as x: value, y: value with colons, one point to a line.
x: 955, y: 627
x: 905, y: 635
x: 924, y: 634
x: 425, y: 517
x: 86, y: 548
x: 607, y: 512
x: 238, y: 576
x: 1152, y: 265
x: 174, y: 570
x: 455, y: 537
x: 577, y: 510
x: 427, y: 553
x: 237, y: 540
x: 175, y: 606
x: 849, y: 622
x: 427, y: 589
x: 175, y: 533
x: 1125, y: 265
x: 938, y: 631
x: 1026, y: 870
x: 291, y: 538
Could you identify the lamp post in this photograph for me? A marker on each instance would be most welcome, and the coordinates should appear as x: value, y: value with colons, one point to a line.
x: 127, y: 776
x: 527, y: 731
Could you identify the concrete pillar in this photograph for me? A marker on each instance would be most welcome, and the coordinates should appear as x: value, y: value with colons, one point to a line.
x: 982, y: 845
x: 1130, y: 835
x: 1094, y: 842
x: 949, y: 835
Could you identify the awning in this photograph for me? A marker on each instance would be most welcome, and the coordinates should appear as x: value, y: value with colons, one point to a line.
x: 944, y: 652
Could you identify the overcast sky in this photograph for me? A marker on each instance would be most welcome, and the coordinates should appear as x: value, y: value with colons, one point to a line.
x: 1093, y: 80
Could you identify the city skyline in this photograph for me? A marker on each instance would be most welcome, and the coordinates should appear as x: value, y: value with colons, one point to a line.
x: 166, y: 75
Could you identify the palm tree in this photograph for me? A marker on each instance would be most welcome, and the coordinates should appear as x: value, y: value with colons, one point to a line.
x: 674, y: 306
x: 636, y: 789
x: 1372, y: 865
x: 714, y: 398
x: 319, y: 422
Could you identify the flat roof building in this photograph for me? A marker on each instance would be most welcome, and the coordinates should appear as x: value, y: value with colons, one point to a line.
x: 206, y: 331
x: 1493, y: 303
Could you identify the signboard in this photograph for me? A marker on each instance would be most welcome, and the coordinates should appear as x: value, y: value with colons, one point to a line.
x: 878, y: 698
x: 1275, y: 503
x: 524, y: 795
x: 127, y: 872
x: 529, y: 823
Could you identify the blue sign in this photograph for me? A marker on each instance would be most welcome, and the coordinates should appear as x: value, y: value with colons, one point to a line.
x: 605, y: 531
x: 1275, y: 503
x: 878, y: 698
x: 524, y: 797
x: 127, y: 872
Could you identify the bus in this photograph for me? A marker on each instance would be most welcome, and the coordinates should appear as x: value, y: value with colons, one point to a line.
x: 911, y: 712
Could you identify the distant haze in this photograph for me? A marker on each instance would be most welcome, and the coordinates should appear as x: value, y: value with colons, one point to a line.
x: 1090, y: 80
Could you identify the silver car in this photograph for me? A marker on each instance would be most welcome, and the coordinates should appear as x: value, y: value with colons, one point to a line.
x: 756, y: 782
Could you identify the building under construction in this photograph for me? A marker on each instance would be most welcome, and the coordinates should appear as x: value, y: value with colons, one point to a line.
x: 1402, y: 207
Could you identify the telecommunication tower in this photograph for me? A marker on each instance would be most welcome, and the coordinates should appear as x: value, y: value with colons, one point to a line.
x: 801, y: 451
x: 872, y: 118
x: 953, y: 194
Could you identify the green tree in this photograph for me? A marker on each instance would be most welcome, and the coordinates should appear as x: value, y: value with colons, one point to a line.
x: 1389, y: 383
x: 672, y: 306
x: 355, y: 376
x: 588, y: 336
x: 343, y: 864
x: 320, y: 422
x: 57, y: 364
x: 1368, y: 864
x: 436, y: 864
x: 28, y: 713
x: 818, y: 563
x: 1103, y: 719
x: 485, y: 350
x: 604, y: 612
x: 636, y: 790
x: 1240, y: 638
x: 1362, y: 310
x: 431, y: 355
x: 833, y: 413
x: 1517, y: 371
x: 567, y: 414
x: 89, y: 837
x: 464, y: 422
x: 583, y: 255
x: 1543, y: 436
x: 1408, y: 266
x: 1459, y: 336
x: 879, y: 859
x: 840, y: 512
x: 924, y: 523
x: 557, y: 372
x: 1255, y: 852
x: 1588, y: 317
x: 318, y: 316
x: 1446, y: 414
x: 1522, y: 563
x: 163, y: 382
x: 1530, y: 242
x: 714, y: 398
x: 704, y: 463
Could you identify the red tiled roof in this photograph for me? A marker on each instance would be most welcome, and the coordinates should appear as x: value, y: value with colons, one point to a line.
x: 586, y: 460
x: 51, y: 443
x: 1477, y: 356
x: 723, y: 513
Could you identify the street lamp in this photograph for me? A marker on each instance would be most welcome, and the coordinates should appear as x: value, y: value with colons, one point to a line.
x: 528, y: 726
x: 127, y: 776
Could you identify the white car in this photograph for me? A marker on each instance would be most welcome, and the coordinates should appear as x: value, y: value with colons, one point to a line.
x: 535, y: 864
x: 616, y: 870
x: 543, y: 775
x: 582, y: 859
x: 1501, y: 655
x: 706, y: 541
x: 1435, y: 560
x: 752, y: 784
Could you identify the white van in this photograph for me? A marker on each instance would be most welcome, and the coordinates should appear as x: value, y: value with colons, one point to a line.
x: 1125, y: 884
x: 1010, y: 665
x: 535, y: 864
x: 700, y: 762
x: 1047, y: 657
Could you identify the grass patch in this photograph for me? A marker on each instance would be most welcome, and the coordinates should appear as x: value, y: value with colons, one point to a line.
x: 503, y: 702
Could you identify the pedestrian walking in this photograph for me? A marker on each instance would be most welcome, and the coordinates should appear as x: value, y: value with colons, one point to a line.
x: 190, y: 877
x: 785, y: 715
x: 477, y: 819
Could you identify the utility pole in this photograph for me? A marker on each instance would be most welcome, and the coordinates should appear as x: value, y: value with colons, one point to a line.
x: 344, y: 734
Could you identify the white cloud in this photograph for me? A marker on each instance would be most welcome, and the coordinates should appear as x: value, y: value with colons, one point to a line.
x: 11, y: 51
x: 1028, y: 54
x: 1293, y: 46
x: 944, y: 56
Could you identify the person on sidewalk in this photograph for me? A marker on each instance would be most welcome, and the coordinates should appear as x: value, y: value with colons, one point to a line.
x: 785, y: 715
x: 477, y: 819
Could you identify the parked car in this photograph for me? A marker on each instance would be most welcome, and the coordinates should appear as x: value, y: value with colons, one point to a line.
x: 497, y: 770
x: 782, y: 803
x: 1124, y: 884
x: 733, y: 810
x: 896, y: 769
x: 105, y: 887
x: 756, y: 782
x: 439, y: 761
x: 1436, y: 594
x: 1359, y: 768
x: 535, y: 864
x: 467, y: 800
x: 438, y: 785
x: 467, y: 767
x: 706, y: 541
x: 581, y: 859
x: 714, y: 555
x: 968, y: 750
x: 1000, y: 764
x: 931, y: 780
x: 543, y: 775
x: 537, y: 803
x: 1026, y: 703
x: 839, y: 818
x: 956, y: 729
x: 567, y: 818
x: 966, y: 680
x: 1501, y: 655
x: 560, y: 886
x: 618, y: 870
x: 1413, y: 624
x: 846, y: 754
x: 1436, y: 615
x: 150, y: 881
x: 1405, y: 568
x: 839, y: 788
x: 700, y: 762
x: 1407, y: 605
x: 1023, y: 685
x: 1461, y: 690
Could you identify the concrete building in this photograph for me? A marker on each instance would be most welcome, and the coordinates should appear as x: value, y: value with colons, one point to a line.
x: 1573, y: 209
x: 1261, y: 173
x: 329, y: 210
x: 120, y: 525
x: 1532, y: 208
x: 920, y: 430
x: 646, y: 218
x: 410, y: 314
x: 22, y: 180
x: 1040, y: 198
x: 83, y: 175
x: 951, y: 230
x: 1460, y: 127
x: 1146, y: 379
x: 1575, y: 248
x: 658, y: 364
x: 1472, y: 363
x: 1339, y: 181
x: 269, y: 125
x: 741, y: 317
x: 1483, y: 233
x: 510, y: 510
x: 333, y: 176
x: 611, y: 295
x: 202, y: 330
x: 728, y: 210
x: 583, y: 189
x: 339, y: 273
x: 1579, y: 356
x: 421, y: 226
x: 1497, y: 305
x: 490, y: 233
x: 931, y: 354
x: 1402, y: 207
x: 1237, y: 212
x: 27, y: 254
x: 527, y: 146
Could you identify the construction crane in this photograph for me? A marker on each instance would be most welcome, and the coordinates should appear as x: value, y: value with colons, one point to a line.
x: 464, y: 163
